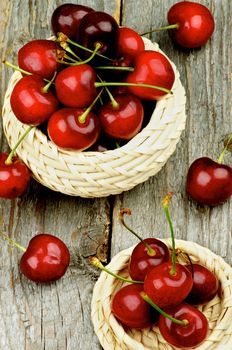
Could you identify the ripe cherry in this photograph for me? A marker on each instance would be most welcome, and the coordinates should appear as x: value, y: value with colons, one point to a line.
x: 208, y: 182
x: 67, y: 18
x: 123, y: 120
x: 14, y: 178
x: 205, y: 285
x: 102, y: 28
x: 192, y: 334
x: 149, y: 253
x: 75, y: 86
x: 46, y: 258
x: 69, y: 130
x: 40, y: 57
x: 151, y: 67
x: 194, y: 24
x: 165, y: 288
x: 130, y: 43
x: 131, y: 309
x: 31, y: 102
x: 168, y: 283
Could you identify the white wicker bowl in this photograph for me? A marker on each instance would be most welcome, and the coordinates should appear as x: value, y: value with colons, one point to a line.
x: 113, y: 336
x: 96, y: 174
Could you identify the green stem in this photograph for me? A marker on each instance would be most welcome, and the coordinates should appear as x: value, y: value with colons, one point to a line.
x: 171, y: 26
x: 150, y: 250
x: 165, y: 204
x: 13, y: 242
x: 157, y: 308
x: 47, y: 86
x: 8, y: 64
x: 11, y: 155
x: 84, y: 115
x: 133, y: 84
x: 96, y: 262
x: 115, y: 104
x: 98, y: 46
x: 129, y: 69
x: 63, y: 38
x: 221, y: 157
x: 67, y: 48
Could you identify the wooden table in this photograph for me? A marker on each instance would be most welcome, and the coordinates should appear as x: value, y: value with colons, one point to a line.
x: 57, y: 316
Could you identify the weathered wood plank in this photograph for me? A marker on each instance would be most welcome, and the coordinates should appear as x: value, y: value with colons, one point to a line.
x: 55, y: 316
x: 206, y: 75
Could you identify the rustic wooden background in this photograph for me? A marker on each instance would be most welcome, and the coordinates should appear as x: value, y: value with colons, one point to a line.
x: 57, y: 316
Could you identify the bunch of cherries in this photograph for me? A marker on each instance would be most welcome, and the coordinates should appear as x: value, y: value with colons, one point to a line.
x: 162, y: 290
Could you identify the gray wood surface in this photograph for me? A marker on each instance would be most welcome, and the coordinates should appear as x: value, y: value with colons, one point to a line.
x: 57, y: 316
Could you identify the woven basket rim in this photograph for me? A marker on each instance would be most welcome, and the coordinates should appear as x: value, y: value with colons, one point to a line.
x: 109, y: 330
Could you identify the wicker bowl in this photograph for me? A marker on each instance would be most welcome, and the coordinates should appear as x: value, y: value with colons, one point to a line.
x: 218, y: 311
x: 96, y: 174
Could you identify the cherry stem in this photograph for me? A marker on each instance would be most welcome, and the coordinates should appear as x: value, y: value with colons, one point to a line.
x: 133, y: 84
x: 9, y: 160
x: 221, y: 157
x: 63, y: 38
x: 13, y: 242
x: 84, y: 115
x: 7, y: 63
x: 129, y: 69
x: 96, y: 262
x: 47, y: 86
x: 165, y: 203
x: 69, y: 58
x: 67, y: 48
x: 174, y: 320
x: 127, y: 211
x: 115, y: 104
x: 171, y: 26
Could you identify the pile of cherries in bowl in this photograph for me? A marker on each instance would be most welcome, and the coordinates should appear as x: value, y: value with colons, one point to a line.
x: 163, y: 290
x: 91, y: 80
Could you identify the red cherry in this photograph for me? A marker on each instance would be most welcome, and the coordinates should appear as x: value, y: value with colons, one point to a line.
x: 40, y: 57
x: 181, y: 336
x: 205, y: 285
x: 67, y: 17
x: 195, y: 23
x: 153, y: 68
x: 166, y: 289
x: 130, y: 309
x: 75, y: 86
x: 67, y: 131
x: 14, y: 178
x: 46, y: 258
x: 29, y: 103
x: 208, y: 182
x: 130, y: 43
x: 123, y: 121
x: 141, y: 262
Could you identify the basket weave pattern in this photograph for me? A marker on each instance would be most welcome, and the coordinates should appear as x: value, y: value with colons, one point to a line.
x: 218, y: 311
x: 96, y: 174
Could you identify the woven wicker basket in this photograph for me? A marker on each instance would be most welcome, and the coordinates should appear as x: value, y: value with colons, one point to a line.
x: 96, y: 174
x: 218, y: 311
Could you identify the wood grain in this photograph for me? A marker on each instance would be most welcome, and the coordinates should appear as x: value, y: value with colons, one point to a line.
x: 57, y: 316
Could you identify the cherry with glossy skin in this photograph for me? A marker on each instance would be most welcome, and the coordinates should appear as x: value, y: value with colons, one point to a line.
x: 131, y: 310
x: 66, y: 129
x: 30, y: 103
x: 130, y: 43
x: 195, y: 24
x: 166, y: 289
x: 67, y: 18
x: 124, y: 120
x: 208, y: 182
x: 151, y: 67
x: 141, y: 262
x: 188, y: 336
x: 14, y: 178
x: 102, y: 28
x: 46, y: 258
x: 40, y: 57
x: 205, y: 285
x: 75, y: 86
